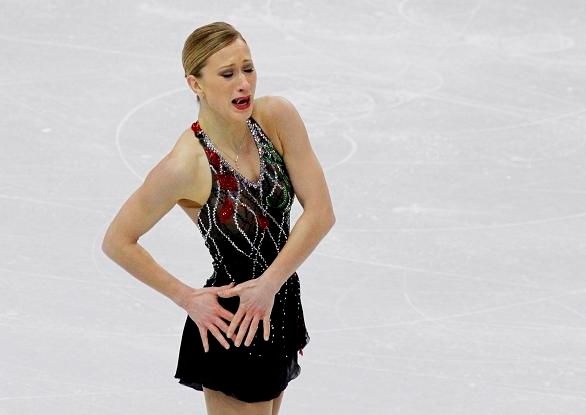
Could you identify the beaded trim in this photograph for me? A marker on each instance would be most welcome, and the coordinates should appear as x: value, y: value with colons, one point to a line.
x: 259, y: 148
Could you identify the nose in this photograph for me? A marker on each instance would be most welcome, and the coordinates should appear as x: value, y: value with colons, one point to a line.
x: 244, y: 82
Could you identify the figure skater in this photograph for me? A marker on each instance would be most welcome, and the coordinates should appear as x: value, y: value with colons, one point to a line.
x: 235, y: 172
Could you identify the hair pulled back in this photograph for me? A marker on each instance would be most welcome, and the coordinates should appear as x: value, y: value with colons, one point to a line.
x: 203, y: 42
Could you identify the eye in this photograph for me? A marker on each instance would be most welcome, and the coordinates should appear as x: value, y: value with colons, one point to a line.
x: 229, y: 74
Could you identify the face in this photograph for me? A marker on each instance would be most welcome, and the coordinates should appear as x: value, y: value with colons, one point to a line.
x: 228, y: 74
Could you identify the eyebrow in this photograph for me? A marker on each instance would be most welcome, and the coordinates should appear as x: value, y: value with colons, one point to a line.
x: 228, y: 66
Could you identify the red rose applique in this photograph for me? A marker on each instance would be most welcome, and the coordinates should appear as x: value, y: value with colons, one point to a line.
x: 226, y: 210
x: 213, y: 157
x: 227, y: 181
x: 263, y: 222
x: 196, y: 127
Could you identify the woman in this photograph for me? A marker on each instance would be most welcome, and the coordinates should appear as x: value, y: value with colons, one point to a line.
x: 235, y: 172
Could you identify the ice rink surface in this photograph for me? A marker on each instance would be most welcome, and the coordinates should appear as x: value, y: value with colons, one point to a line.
x: 452, y: 135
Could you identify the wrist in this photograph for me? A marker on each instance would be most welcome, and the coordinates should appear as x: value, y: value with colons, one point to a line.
x: 182, y: 296
x: 273, y: 282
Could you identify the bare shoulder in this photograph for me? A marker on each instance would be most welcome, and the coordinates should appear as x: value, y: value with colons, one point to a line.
x: 282, y: 121
x: 266, y: 113
x: 303, y: 166
x: 188, y: 160
x: 171, y: 181
x: 287, y: 124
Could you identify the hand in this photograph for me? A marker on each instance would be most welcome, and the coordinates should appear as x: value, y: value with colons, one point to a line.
x: 202, y: 306
x: 256, y: 303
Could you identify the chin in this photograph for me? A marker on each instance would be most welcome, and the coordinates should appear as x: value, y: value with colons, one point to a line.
x: 247, y: 112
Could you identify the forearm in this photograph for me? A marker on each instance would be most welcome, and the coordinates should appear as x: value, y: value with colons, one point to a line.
x: 141, y: 265
x: 308, y: 231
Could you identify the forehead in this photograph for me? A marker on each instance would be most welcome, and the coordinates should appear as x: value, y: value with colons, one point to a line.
x: 234, y: 53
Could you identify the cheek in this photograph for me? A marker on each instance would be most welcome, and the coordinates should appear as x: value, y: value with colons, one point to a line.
x: 222, y: 93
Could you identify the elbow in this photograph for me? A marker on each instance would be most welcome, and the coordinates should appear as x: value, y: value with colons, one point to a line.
x: 112, y: 245
x: 108, y: 243
x: 108, y: 247
x: 324, y: 216
x: 331, y: 218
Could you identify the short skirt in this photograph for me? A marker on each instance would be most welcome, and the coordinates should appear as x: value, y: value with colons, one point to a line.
x: 254, y: 373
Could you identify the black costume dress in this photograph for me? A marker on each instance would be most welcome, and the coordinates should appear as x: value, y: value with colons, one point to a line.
x: 245, y: 224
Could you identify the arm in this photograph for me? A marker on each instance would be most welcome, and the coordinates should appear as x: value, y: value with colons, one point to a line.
x: 257, y: 295
x: 165, y: 184
x: 310, y: 186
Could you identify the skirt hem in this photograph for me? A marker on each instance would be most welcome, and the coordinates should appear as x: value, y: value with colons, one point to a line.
x: 260, y: 397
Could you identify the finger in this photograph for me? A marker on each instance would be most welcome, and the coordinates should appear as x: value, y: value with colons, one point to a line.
x: 235, y: 322
x: 227, y: 291
x: 222, y: 325
x: 204, y: 338
x: 226, y: 314
x: 222, y: 287
x: 225, y: 287
x: 267, y: 327
x: 242, y: 329
x: 251, y: 331
x: 219, y: 336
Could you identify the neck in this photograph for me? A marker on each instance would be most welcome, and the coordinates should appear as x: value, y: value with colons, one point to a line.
x: 228, y: 133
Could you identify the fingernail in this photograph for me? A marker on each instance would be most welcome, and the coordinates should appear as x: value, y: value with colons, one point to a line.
x: 227, y: 346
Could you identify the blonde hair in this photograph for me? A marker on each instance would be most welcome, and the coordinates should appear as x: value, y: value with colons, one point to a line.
x: 203, y: 42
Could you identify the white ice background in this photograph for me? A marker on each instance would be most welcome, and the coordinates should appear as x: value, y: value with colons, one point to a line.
x: 452, y: 134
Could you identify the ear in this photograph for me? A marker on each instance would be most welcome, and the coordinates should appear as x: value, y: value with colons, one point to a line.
x: 194, y: 85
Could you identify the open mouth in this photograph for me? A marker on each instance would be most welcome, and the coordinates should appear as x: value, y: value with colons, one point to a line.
x: 241, y: 103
